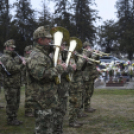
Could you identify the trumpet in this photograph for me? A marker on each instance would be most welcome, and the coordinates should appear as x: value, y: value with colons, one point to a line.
x: 104, y: 54
x: 90, y: 60
x: 92, y: 51
x: 98, y: 54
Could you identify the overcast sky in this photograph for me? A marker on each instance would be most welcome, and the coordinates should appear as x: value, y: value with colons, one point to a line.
x: 106, y: 8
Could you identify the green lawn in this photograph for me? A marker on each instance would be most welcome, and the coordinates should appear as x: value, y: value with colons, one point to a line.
x: 114, y: 115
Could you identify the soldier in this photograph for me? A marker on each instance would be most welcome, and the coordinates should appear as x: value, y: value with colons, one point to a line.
x: 75, y: 97
x: 89, y: 74
x: 1, y: 83
x: 40, y: 79
x: 63, y: 91
x: 12, y: 83
x: 28, y: 111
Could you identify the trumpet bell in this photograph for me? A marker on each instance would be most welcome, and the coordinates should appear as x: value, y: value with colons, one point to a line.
x: 64, y: 31
x: 78, y: 41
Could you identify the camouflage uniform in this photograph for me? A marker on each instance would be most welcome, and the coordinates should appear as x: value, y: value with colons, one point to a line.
x: 75, y: 96
x: 11, y: 83
x: 1, y: 82
x: 63, y: 93
x: 40, y: 80
x: 28, y: 111
x: 89, y: 74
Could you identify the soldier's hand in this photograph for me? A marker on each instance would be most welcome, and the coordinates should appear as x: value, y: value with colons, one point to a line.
x: 23, y: 61
x: 64, y: 66
x: 73, y: 66
x: 0, y: 62
x: 84, y: 56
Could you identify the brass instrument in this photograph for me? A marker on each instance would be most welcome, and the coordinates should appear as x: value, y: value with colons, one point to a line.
x: 89, y: 59
x: 104, y: 54
x: 75, y: 44
x: 59, y: 34
x: 98, y: 54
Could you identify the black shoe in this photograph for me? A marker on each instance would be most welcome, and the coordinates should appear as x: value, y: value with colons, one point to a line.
x: 79, y: 122
x: 29, y: 115
x: 90, y: 110
x: 75, y: 124
x: 13, y: 123
x: 82, y: 115
x: 1, y: 107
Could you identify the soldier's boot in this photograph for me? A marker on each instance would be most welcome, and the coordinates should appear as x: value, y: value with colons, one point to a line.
x: 81, y: 115
x: 75, y: 124
x: 13, y: 123
x: 16, y: 120
x: 59, y: 130
x: 1, y: 107
x: 89, y: 110
x: 28, y: 113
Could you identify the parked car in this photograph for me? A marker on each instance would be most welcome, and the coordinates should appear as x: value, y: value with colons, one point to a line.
x: 110, y: 59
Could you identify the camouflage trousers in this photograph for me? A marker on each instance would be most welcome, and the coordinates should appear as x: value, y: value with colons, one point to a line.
x: 61, y: 111
x: 87, y: 94
x: 27, y: 109
x: 13, y: 99
x: 75, y: 101
x: 46, y: 121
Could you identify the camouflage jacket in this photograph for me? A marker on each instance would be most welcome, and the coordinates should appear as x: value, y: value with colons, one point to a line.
x: 63, y: 88
x: 13, y: 66
x: 40, y: 75
x: 89, y: 72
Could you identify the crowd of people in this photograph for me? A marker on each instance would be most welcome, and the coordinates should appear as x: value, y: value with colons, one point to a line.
x: 49, y: 88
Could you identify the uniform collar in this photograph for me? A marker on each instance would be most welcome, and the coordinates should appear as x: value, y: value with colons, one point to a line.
x: 10, y: 53
x: 41, y: 48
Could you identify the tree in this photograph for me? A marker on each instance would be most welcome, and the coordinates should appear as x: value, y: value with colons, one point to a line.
x: 125, y: 14
x: 84, y: 18
x: 107, y: 35
x: 25, y: 21
x: 45, y: 18
x: 5, y: 19
x: 62, y: 15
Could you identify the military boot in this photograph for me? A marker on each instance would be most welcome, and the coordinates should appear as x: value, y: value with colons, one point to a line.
x: 13, y: 123
x: 58, y: 130
x: 16, y: 120
x: 1, y: 107
x: 75, y: 124
x: 29, y: 115
x: 90, y: 110
x: 81, y: 115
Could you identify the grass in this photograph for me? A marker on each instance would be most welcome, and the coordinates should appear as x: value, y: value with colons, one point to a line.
x: 114, y: 115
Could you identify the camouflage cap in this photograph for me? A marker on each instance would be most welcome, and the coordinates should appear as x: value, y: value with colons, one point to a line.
x: 42, y: 31
x: 28, y: 48
x: 86, y: 43
x: 10, y: 42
